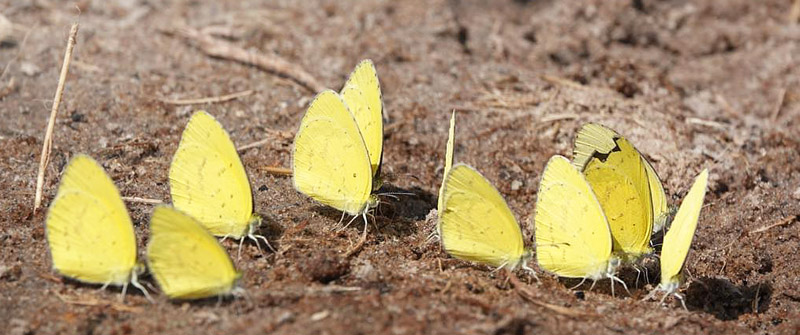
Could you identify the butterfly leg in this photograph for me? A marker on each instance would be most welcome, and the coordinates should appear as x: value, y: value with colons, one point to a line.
x: 615, y: 278
x: 594, y: 281
x: 239, y: 254
x: 683, y: 302
x: 252, y: 238
x: 265, y: 242
x: 122, y: 294
x: 581, y: 283
x: 529, y: 270
x: 135, y: 283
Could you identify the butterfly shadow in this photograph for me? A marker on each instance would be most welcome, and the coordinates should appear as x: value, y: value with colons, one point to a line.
x: 399, y: 207
x: 393, y: 216
x: 97, y: 289
x: 726, y: 301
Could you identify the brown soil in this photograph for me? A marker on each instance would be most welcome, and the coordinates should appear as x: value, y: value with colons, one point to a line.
x: 692, y: 84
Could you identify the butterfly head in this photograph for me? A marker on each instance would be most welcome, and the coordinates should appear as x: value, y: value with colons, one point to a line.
x: 254, y: 223
x: 373, y: 201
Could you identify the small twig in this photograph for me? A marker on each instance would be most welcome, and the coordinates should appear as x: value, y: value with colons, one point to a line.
x: 142, y: 200
x: 328, y: 289
x: 94, y: 302
x: 276, y: 170
x: 358, y: 246
x: 218, y: 48
x: 783, y: 222
x: 207, y: 100
x: 9, y: 88
x: 558, y: 117
x: 48, y: 136
x: 562, y: 81
x: 275, y: 133
x: 707, y: 123
x: 526, y: 294
x: 777, y: 111
x: 19, y: 53
x: 794, y: 13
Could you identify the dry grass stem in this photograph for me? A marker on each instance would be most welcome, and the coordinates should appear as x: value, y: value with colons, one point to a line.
x: 48, y: 136
x: 207, y: 100
x: 215, y: 47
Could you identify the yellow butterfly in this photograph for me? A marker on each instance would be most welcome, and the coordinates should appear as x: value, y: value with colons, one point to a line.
x: 448, y: 164
x: 572, y: 235
x: 338, y: 149
x: 89, y: 231
x: 626, y: 185
x: 207, y: 181
x: 186, y: 260
x: 679, y: 237
x: 475, y: 222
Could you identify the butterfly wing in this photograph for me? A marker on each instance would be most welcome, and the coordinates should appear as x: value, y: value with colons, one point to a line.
x: 186, y: 260
x: 207, y: 179
x: 592, y: 139
x: 679, y: 237
x: 89, y: 231
x: 362, y: 95
x: 572, y: 235
x: 330, y: 162
x: 658, y: 197
x: 620, y: 182
x: 448, y: 159
x: 476, y: 223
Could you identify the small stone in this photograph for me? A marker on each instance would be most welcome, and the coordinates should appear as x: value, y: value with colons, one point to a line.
x: 796, y: 194
x: 326, y: 266
x: 29, y: 69
x: 516, y: 185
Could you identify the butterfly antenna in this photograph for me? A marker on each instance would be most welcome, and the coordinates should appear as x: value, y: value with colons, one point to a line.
x: 136, y: 284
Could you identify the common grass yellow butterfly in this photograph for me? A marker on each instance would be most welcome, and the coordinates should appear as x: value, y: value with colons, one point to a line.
x: 626, y: 185
x: 338, y: 149
x: 679, y: 237
x: 573, y: 237
x: 476, y: 224
x: 89, y: 231
x: 186, y: 260
x: 207, y: 181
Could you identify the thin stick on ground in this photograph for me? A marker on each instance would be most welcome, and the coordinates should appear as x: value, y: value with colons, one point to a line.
x: 783, y: 222
x: 207, y: 100
x: 48, y: 136
x: 142, y: 200
x: 277, y: 170
x: 777, y: 111
x: 526, y: 294
x: 215, y: 47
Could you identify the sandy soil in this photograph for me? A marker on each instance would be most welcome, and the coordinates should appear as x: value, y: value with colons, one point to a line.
x: 692, y: 84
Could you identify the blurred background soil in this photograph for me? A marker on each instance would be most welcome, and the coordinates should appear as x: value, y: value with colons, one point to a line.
x: 693, y: 84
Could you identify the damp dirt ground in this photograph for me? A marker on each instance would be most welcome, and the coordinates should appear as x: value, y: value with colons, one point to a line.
x: 693, y: 84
